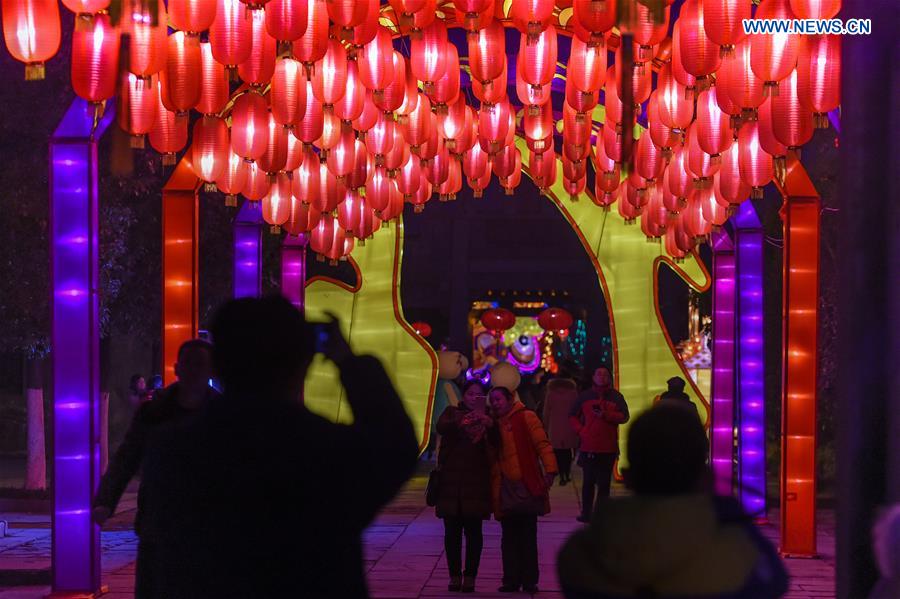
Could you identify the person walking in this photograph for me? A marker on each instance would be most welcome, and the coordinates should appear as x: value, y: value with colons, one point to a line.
x: 464, y: 483
x: 176, y: 403
x: 596, y: 417
x: 562, y: 393
x: 675, y: 395
x: 524, y: 471
x: 672, y: 537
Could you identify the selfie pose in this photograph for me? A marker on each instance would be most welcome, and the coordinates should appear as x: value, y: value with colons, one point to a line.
x: 596, y: 417
x: 524, y: 471
x: 464, y: 483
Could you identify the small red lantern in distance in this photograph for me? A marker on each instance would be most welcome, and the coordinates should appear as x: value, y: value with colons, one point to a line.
x: 555, y: 319
x: 422, y: 328
x: 498, y: 320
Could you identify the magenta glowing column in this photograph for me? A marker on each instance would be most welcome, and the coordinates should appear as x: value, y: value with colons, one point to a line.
x: 750, y: 361
x: 721, y: 440
x: 75, y: 548
x: 293, y: 269
x: 248, y: 251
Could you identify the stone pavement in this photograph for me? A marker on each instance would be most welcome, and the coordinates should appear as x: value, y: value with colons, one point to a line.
x: 403, y: 551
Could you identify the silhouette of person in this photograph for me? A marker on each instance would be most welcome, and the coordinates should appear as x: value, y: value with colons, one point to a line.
x: 178, y: 401
x: 672, y: 538
x: 675, y: 395
x: 269, y: 499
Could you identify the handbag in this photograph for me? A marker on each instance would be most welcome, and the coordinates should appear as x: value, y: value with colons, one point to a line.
x: 431, y: 490
x: 517, y: 500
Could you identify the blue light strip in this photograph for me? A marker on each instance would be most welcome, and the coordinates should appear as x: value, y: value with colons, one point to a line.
x: 248, y: 251
x: 293, y: 269
x: 721, y: 435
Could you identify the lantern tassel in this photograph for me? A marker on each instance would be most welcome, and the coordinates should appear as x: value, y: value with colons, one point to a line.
x: 35, y: 71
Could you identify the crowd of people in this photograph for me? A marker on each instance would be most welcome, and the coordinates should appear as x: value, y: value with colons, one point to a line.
x: 248, y: 494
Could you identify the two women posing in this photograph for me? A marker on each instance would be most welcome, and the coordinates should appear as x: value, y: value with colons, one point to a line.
x: 494, y: 457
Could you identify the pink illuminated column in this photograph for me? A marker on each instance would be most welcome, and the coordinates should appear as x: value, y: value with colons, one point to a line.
x: 293, y: 269
x: 721, y: 438
x: 75, y: 551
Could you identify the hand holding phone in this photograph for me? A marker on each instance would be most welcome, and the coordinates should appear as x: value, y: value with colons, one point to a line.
x: 329, y: 341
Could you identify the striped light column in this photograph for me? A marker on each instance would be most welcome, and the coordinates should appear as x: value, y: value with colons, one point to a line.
x: 293, y: 269
x: 721, y: 438
x: 248, y: 250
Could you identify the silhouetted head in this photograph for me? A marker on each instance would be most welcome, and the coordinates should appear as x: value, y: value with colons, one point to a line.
x: 667, y: 450
x: 676, y: 384
x: 261, y: 347
x: 194, y: 367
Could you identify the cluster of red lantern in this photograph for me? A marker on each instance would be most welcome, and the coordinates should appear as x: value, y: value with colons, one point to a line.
x: 332, y: 132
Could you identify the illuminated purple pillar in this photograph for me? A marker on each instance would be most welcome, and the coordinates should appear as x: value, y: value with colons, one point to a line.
x: 293, y: 269
x: 721, y: 438
x: 248, y: 251
x: 75, y: 348
x: 750, y: 380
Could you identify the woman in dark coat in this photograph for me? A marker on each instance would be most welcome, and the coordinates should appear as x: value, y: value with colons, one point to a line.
x: 464, y: 488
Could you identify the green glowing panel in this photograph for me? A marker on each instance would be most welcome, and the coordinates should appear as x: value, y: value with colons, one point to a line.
x: 626, y: 266
x: 372, y: 320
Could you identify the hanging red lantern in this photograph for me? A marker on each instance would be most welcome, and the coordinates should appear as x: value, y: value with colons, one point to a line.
x: 675, y: 111
x: 587, y: 66
x: 393, y: 96
x: 169, y: 134
x: 400, y: 152
x: 257, y: 185
x: 511, y: 182
x: 581, y: 102
x: 347, y: 14
x: 680, y: 74
x: 95, y: 56
x: 475, y: 162
x: 366, y: 120
x: 595, y: 16
x: 654, y: 216
x: 612, y: 142
x: 738, y: 80
x: 453, y: 183
x: 574, y: 169
x: 311, y: 127
x: 495, y: 91
x: 487, y: 52
x: 409, y: 177
x: 416, y: 128
x: 699, y: 55
x: 815, y: 9
x: 555, y: 319
x: 302, y: 219
x: 378, y: 191
x: 311, y: 46
x: 274, y: 159
x: 767, y: 140
x: 637, y: 191
x: 421, y: 328
x: 437, y: 168
x: 628, y: 210
x: 467, y: 137
x: 366, y: 31
x: 214, y: 91
x: 231, y: 34
x: 428, y: 54
x: 363, y: 166
x: 209, y: 148
x: 729, y: 187
x: 249, y: 125
x: 543, y: 169
x: 192, y: 16
x: 537, y: 60
x: 663, y: 137
x: 410, y: 99
x: 677, y: 178
x: 350, y: 106
x: 493, y: 125
x: 182, y: 74
x: 773, y: 57
x: 539, y: 127
x: 755, y: 165
x: 819, y: 75
x: 342, y: 157
x: 421, y: 197
x: 137, y: 103
x: 446, y: 89
x: 85, y: 7
x: 331, y: 190
x: 306, y: 186
x: 648, y: 159
x: 414, y: 15
x: 233, y: 179
x: 504, y: 163
x: 454, y: 122
x: 376, y: 61
x: 641, y: 79
x: 792, y: 123
x: 380, y: 138
x: 695, y: 224
x: 531, y: 17
x: 330, y: 75
x: 147, y: 42
x: 700, y: 164
x: 713, y: 211
x: 288, y: 92
x: 257, y: 70
x: 498, y: 320
x: 323, y: 237
x: 713, y: 126
x: 576, y: 130
x: 331, y: 133
x: 723, y: 22
x: 349, y: 212
x: 607, y: 170
x: 532, y: 96
x: 648, y: 31
x: 276, y: 206
x: 32, y: 32
x: 286, y: 20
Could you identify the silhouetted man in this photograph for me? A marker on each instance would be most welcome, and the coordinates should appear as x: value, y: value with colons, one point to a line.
x: 675, y: 395
x: 175, y: 404
x: 282, y: 495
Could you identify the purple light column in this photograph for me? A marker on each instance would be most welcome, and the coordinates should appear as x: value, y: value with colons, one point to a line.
x: 750, y: 361
x: 75, y: 348
x: 248, y: 251
x: 721, y: 446
x: 293, y: 269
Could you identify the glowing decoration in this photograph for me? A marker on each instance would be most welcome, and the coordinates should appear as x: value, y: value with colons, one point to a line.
x: 233, y: 179
x: 169, y: 134
x: 85, y: 7
x: 138, y: 102
x: 209, y: 150
x: 815, y: 9
x: 713, y: 126
x: 147, y: 46
x: 428, y: 54
x: 181, y: 76
x: 595, y: 17
x: 213, y: 82
x: 755, y: 165
x: 537, y: 59
x: 293, y: 269
x: 248, y: 251
x: 721, y: 436
x: 750, y: 360
x: 376, y: 61
x: 259, y: 66
x: 421, y: 328
x: 487, y: 53
x: 31, y: 30
x: 249, y: 126
x: 286, y: 20
x: 95, y: 55
x: 311, y: 46
x: 329, y: 80
x: 75, y: 338
x: 498, y: 320
x: 819, y: 75
x: 792, y: 123
x: 230, y: 35
x: 773, y: 57
x: 723, y: 22
x: 192, y: 15
x: 699, y: 55
x: 288, y: 92
x: 555, y: 319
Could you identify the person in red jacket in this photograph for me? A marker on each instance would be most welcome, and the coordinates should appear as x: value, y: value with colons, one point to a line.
x: 596, y: 417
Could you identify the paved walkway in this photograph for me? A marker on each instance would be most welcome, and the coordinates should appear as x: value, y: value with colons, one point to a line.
x: 403, y: 551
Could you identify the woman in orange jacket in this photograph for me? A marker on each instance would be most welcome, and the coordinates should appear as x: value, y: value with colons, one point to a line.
x: 524, y: 471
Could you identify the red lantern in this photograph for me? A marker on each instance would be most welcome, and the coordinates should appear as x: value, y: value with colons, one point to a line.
x: 400, y: 152
x: 350, y: 107
x: 311, y: 46
x: 233, y: 179
x: 310, y: 128
x: 169, y: 134
x: 331, y: 133
x: 418, y: 125
x: 192, y: 15
x: 543, y: 170
x: 713, y: 211
x: 288, y: 92
x: 380, y: 138
x: 394, y: 209
x: 453, y: 183
x: 306, y: 186
x: 493, y: 125
x: 347, y: 14
x: 504, y: 163
x: 274, y: 159
x: 815, y: 9
x: 648, y: 159
x: 539, y: 127
x: 410, y: 177
x: 276, y: 206
x: 680, y: 74
x: 640, y: 79
x: 695, y: 224
x: 342, y: 157
x: 773, y: 57
x: 231, y: 35
x: 410, y: 98
x: 428, y: 54
x: 414, y: 15
x: 511, y: 182
x: 378, y: 191
x: 249, y: 125
x: 437, y: 169
x: 136, y: 108
x: 587, y: 66
x: 596, y: 16
x: 729, y: 187
x: 713, y: 126
x: 331, y: 190
x: 699, y: 55
x: 446, y: 89
x: 628, y: 209
x: 323, y: 236
x: 213, y: 82
x: 95, y: 56
x: 495, y: 91
x: 608, y: 173
x: 31, y: 30
x: 287, y: 20
x: 663, y: 137
x: 498, y: 320
x: 555, y: 319
x: 393, y: 96
x: 475, y: 162
x: 531, y: 17
x: 376, y: 61
x: 363, y: 166
x: 487, y: 52
x: 422, y: 328
x: 257, y: 185
x: 675, y: 111
x: 257, y: 70
x: 330, y: 75
x: 648, y: 31
x: 738, y: 80
x: 366, y: 120
x: 723, y: 22
x: 302, y: 219
x: 181, y: 77
x: 537, y: 60
x: 209, y: 149
x: 612, y: 142
x: 755, y: 165
x: 677, y: 178
x: 85, y: 7
x: 700, y: 164
x: 792, y: 123
x: 654, y: 216
x: 576, y: 130
x: 147, y: 43
x: 366, y: 31
x: 819, y: 75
